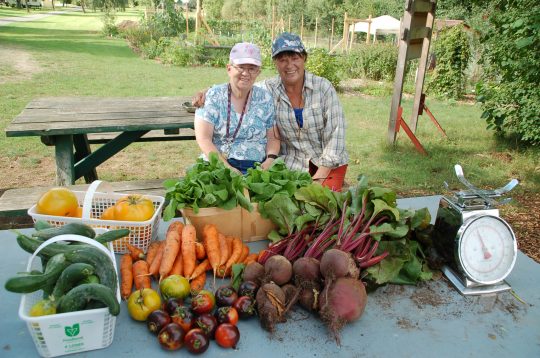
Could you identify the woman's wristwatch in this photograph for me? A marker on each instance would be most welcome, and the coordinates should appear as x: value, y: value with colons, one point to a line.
x: 271, y: 156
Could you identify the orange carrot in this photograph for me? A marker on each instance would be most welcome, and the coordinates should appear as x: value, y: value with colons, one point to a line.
x: 189, y: 257
x: 223, y: 249
x: 200, y: 253
x: 235, y: 256
x: 178, y: 266
x: 135, y: 252
x: 201, y: 268
x: 140, y: 275
x: 126, y: 276
x: 151, y: 252
x: 197, y: 283
x: 172, y: 246
x: 156, y: 262
x: 211, y: 245
x: 251, y: 258
x: 245, y: 253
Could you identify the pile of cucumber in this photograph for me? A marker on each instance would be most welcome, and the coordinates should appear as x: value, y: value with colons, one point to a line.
x: 75, y: 276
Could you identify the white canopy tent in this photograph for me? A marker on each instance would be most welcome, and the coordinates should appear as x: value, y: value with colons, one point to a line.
x: 379, y: 26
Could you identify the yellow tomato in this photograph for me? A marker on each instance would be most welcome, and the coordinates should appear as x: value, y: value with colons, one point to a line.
x: 78, y: 212
x: 108, y: 214
x: 133, y: 208
x: 58, y: 202
x: 143, y: 302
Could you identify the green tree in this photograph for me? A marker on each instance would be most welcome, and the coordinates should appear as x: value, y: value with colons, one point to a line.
x: 213, y: 8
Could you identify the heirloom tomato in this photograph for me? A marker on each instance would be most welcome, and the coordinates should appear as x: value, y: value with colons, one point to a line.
x: 133, y: 208
x: 143, y: 302
x: 58, y: 202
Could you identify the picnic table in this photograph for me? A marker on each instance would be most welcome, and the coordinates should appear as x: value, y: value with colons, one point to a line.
x: 71, y: 124
x: 428, y: 320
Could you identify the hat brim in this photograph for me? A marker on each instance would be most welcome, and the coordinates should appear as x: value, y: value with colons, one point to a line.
x: 288, y: 49
x: 246, y: 61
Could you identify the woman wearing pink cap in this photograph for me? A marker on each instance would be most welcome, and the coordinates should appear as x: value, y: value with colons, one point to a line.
x: 237, y: 120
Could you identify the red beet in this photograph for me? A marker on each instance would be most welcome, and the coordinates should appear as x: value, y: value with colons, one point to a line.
x: 336, y: 263
x: 341, y: 302
x: 279, y: 269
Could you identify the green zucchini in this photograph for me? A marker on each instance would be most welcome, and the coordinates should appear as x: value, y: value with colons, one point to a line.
x: 112, y: 235
x: 77, y: 298
x: 31, y: 282
x: 71, y: 228
x: 70, y: 276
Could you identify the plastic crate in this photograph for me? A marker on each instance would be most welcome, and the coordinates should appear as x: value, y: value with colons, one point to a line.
x: 94, y: 203
x: 71, y: 332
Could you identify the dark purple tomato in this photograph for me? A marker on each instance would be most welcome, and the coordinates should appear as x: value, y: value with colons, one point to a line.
x: 225, y: 296
x: 184, y: 317
x: 245, y: 306
x: 157, y: 320
x: 227, y: 315
x: 196, y: 341
x: 171, y: 304
x: 248, y: 288
x: 171, y: 337
x: 207, y: 323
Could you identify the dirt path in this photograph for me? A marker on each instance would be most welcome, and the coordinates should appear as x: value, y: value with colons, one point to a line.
x: 14, y: 19
x: 21, y: 65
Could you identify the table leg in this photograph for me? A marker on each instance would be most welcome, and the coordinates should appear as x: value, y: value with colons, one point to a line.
x: 82, y: 150
x: 65, y: 170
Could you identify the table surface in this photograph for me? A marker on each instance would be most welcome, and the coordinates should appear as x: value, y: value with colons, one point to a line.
x: 84, y: 115
x: 428, y: 320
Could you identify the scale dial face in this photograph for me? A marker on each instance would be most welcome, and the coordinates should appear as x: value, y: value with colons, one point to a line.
x: 486, y: 249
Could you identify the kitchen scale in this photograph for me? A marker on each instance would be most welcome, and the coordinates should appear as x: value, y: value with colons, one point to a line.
x: 478, y: 247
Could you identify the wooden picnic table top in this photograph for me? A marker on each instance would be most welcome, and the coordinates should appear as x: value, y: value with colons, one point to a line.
x: 52, y: 116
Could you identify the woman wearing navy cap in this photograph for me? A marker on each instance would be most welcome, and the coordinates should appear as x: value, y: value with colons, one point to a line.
x: 237, y: 120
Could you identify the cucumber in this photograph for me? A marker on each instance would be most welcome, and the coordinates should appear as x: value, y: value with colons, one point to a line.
x: 77, y: 298
x: 71, y: 228
x: 102, y: 263
x: 42, y: 225
x: 89, y: 279
x: 31, y: 282
x: 70, y: 276
x: 112, y: 235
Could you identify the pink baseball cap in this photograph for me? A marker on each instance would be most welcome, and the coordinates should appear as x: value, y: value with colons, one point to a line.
x: 245, y: 53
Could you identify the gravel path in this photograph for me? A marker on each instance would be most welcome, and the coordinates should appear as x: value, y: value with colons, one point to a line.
x: 4, y: 21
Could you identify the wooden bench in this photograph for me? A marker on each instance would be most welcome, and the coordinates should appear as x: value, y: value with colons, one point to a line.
x: 14, y: 203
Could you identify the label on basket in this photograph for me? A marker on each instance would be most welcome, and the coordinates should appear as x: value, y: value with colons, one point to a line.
x: 71, y: 335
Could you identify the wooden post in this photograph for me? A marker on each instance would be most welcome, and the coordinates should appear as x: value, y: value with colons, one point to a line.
x: 368, y: 29
x: 302, y: 29
x: 351, y: 27
x: 345, y: 38
x: 316, y: 29
x: 197, y: 21
x: 331, y: 36
x: 289, y: 30
x: 273, y: 19
x: 187, y: 19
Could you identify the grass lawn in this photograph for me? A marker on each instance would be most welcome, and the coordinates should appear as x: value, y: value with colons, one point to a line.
x: 71, y: 58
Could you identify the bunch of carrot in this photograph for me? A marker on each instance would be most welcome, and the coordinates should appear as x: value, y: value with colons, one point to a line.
x: 181, y: 253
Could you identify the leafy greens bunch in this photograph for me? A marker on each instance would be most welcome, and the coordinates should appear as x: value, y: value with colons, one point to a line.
x: 206, y: 184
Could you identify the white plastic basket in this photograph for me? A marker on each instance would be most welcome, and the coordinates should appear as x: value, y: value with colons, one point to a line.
x: 94, y: 203
x: 71, y: 332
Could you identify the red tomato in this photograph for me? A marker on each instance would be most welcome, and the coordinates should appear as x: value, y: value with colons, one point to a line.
x: 203, y: 302
x: 207, y: 323
x: 227, y: 335
x: 183, y: 317
x: 171, y: 337
x: 196, y: 341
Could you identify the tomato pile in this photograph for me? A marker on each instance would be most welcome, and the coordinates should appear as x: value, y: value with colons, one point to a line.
x: 194, y: 321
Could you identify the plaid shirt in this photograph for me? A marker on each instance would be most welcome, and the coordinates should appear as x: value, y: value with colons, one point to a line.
x: 322, y: 137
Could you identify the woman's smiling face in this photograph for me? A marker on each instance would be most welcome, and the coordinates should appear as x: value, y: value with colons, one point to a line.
x: 242, y: 76
x: 290, y: 66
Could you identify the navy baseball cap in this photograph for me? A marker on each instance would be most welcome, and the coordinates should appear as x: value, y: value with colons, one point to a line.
x: 287, y: 42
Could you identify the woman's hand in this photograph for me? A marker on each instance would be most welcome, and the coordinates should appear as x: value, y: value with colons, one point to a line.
x: 267, y: 163
x: 198, y: 99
